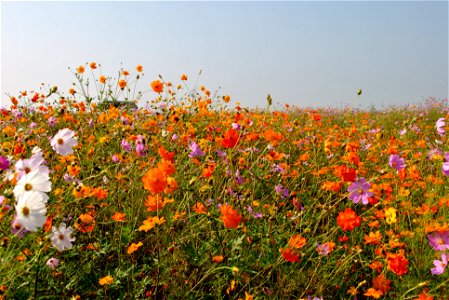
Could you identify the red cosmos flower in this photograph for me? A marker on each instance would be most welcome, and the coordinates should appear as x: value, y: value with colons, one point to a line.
x: 397, y: 263
x: 345, y: 173
x: 348, y: 220
x: 230, y: 138
x: 290, y: 255
x: 230, y: 216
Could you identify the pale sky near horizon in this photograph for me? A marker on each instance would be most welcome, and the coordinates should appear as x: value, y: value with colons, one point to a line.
x: 312, y: 53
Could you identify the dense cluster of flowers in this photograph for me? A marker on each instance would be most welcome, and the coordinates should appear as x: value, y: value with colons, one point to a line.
x: 187, y: 197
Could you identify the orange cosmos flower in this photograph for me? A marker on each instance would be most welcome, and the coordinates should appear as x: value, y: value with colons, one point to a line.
x: 102, y: 79
x: 183, y: 77
x: 172, y: 185
x: 122, y: 83
x: 133, y: 247
x: 348, y: 220
x: 230, y: 216
x: 155, y: 203
x: 217, y: 259
x: 139, y: 68
x: 118, y: 217
x: 373, y: 238
x: 151, y: 222
x: 381, y: 283
x: 397, y: 263
x: 376, y: 294
x: 165, y: 154
x: 87, y: 223
x: 155, y: 180
x: 125, y: 73
x: 166, y: 166
x: 296, y: 241
x: 80, y: 69
x: 106, y: 280
x: 226, y: 98
x: 157, y: 86
x: 93, y: 65
x: 199, y: 208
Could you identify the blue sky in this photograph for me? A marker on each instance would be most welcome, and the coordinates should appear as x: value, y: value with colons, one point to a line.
x: 302, y: 53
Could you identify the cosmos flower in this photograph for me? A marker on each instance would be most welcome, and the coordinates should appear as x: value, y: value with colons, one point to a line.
x: 61, y: 237
x: 31, y: 210
x: 35, y: 162
x: 18, y: 228
x: 440, y: 126
x: 440, y: 265
x: 195, y: 150
x: 397, y: 162
x: 4, y: 163
x: 52, y: 263
x: 348, y: 219
x: 230, y: 217
x: 35, y: 181
x: 439, y: 240
x: 359, y: 191
x: 64, y: 141
x: 126, y: 146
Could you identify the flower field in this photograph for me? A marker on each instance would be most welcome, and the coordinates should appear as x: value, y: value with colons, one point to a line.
x: 190, y: 198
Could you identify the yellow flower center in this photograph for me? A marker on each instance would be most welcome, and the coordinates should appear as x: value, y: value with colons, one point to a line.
x: 60, y: 141
x: 28, y: 187
x: 61, y: 236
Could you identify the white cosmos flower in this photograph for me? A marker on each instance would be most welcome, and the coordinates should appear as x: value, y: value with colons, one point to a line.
x: 35, y: 181
x: 25, y: 166
x: 61, y: 238
x: 64, y: 141
x: 31, y: 210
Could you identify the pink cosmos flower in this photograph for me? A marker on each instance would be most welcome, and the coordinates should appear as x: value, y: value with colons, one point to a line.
x: 397, y: 162
x: 61, y: 237
x: 359, y: 191
x: 52, y: 263
x: 439, y: 240
x: 440, y: 126
x: 35, y: 162
x: 64, y: 141
x: 440, y: 265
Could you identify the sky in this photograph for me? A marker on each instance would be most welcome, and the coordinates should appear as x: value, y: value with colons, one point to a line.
x: 313, y: 53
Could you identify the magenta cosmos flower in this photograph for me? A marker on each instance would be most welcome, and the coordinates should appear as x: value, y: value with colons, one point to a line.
x: 440, y: 265
x: 64, y: 141
x: 439, y: 240
x: 359, y: 191
x: 4, y: 163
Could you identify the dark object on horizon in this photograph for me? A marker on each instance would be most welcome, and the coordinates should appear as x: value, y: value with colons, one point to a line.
x: 121, y: 104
